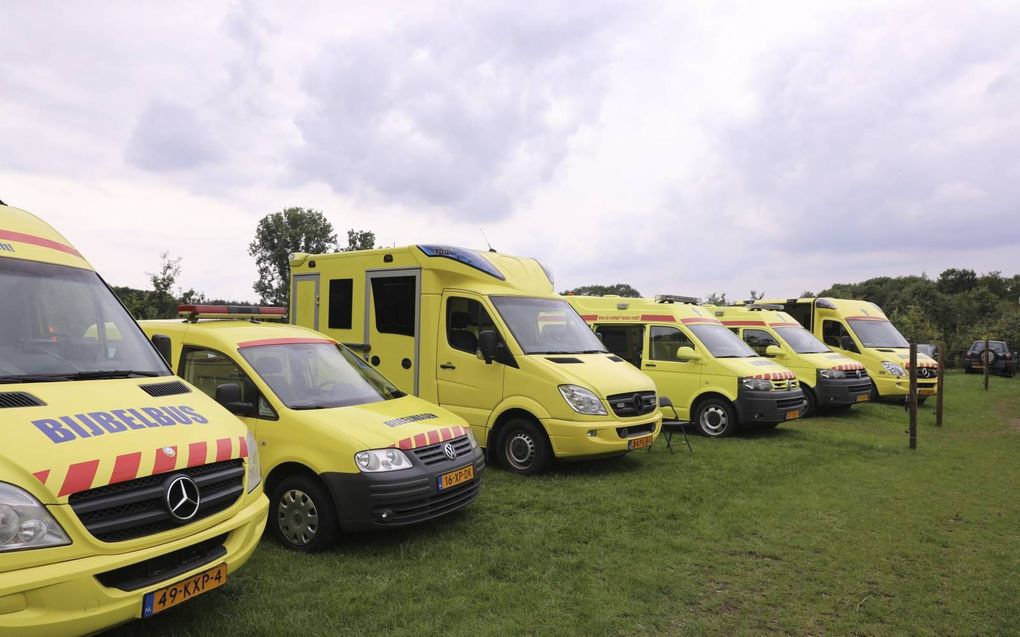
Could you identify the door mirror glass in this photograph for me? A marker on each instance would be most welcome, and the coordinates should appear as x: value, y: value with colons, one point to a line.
x: 687, y: 354
x: 487, y: 341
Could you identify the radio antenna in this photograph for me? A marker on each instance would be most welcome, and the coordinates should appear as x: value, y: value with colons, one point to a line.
x: 486, y: 239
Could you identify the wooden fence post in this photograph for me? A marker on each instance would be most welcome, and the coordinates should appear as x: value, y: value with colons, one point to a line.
x: 912, y: 396
x: 940, y: 397
x: 984, y: 362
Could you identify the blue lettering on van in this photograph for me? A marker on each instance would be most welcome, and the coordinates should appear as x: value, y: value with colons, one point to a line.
x: 115, y: 421
x: 6, y: 247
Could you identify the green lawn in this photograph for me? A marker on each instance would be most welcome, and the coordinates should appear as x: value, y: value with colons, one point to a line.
x: 824, y: 526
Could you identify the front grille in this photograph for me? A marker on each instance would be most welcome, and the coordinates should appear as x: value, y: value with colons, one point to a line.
x: 164, y: 567
x: 927, y: 384
x: 10, y: 399
x: 414, y: 500
x: 434, y: 454
x: 789, y: 403
x: 785, y: 385
x: 633, y: 403
x: 636, y: 430
x: 857, y: 389
x: 171, y: 388
x: 137, y: 508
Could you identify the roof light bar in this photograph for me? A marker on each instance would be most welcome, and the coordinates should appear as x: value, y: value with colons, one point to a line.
x: 195, y: 312
x: 676, y: 298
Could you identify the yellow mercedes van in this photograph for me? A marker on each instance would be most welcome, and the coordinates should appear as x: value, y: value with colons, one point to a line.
x: 860, y: 330
x: 712, y: 377
x: 342, y: 448
x: 485, y: 336
x: 827, y: 379
x: 123, y: 491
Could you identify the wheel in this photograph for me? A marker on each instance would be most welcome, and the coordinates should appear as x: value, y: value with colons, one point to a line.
x: 811, y: 408
x: 715, y: 417
x: 302, y: 515
x: 874, y: 393
x: 921, y: 399
x: 523, y: 447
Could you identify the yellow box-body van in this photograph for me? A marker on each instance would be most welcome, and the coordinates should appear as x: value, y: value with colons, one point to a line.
x: 860, y: 330
x: 123, y: 491
x: 827, y: 378
x: 712, y: 377
x: 485, y: 336
x: 341, y: 446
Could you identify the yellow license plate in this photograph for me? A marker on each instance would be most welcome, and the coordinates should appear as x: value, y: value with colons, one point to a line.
x: 453, y: 478
x: 790, y: 415
x: 925, y: 392
x: 639, y: 443
x: 169, y: 596
x: 862, y: 398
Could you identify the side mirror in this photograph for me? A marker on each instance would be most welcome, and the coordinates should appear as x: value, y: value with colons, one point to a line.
x: 229, y: 395
x: 686, y: 353
x: 847, y: 343
x: 163, y: 346
x: 665, y: 402
x: 599, y: 336
x: 773, y: 350
x: 487, y: 341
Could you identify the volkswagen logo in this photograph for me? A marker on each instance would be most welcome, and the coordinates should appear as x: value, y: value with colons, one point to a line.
x: 926, y: 372
x: 182, y: 498
x: 450, y: 452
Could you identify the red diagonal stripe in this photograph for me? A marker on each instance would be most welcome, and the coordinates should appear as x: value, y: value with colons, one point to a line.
x: 164, y: 462
x: 406, y: 444
x: 42, y: 475
x: 433, y: 436
x: 21, y: 237
x: 447, y: 434
x: 419, y: 440
x: 243, y: 442
x: 126, y: 467
x: 79, y: 477
x: 223, y: 449
x: 197, y: 453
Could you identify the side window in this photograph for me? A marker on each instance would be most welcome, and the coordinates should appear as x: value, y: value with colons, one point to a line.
x: 835, y: 334
x: 341, y: 303
x: 664, y: 342
x: 759, y: 340
x: 394, y: 304
x: 207, y: 370
x: 465, y: 320
x: 626, y: 341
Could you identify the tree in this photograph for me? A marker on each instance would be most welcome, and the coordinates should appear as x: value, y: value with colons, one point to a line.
x: 807, y: 294
x: 716, y: 299
x: 756, y: 295
x: 359, y: 240
x: 277, y: 236
x: 162, y: 303
x: 616, y: 289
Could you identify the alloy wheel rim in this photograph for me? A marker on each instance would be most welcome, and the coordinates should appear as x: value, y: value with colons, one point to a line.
x: 713, y: 420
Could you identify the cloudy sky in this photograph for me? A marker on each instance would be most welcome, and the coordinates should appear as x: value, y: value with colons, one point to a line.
x: 680, y: 147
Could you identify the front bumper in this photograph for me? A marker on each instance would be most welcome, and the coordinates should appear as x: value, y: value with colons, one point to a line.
x: 570, y: 439
x: 842, y: 392
x: 66, y: 598
x: 889, y: 387
x: 768, y: 406
x: 366, y: 501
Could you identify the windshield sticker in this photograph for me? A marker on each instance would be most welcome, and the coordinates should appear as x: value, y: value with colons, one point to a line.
x: 97, y: 423
x: 396, y: 422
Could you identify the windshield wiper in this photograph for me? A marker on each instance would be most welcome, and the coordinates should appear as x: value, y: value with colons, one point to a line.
x: 33, y: 378
x: 93, y: 374
x: 304, y: 407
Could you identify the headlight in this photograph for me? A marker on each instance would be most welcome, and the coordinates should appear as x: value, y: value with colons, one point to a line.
x: 25, y: 523
x: 831, y: 373
x: 582, y: 400
x: 756, y: 384
x: 376, y: 460
x: 471, y: 437
x: 254, y: 464
x: 893, y: 369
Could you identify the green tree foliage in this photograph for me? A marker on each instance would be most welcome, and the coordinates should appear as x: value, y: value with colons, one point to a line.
x: 278, y: 235
x: 716, y: 299
x: 617, y: 289
x: 359, y: 240
x: 162, y: 300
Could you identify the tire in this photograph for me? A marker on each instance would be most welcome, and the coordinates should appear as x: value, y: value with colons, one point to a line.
x: 921, y: 399
x: 874, y: 393
x: 302, y: 515
x: 716, y: 418
x: 811, y: 408
x: 523, y: 448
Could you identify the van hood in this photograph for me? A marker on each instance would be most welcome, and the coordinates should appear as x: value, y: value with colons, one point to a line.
x: 605, y: 373
x: 901, y: 355
x: 832, y: 360
x: 756, y: 367
x: 75, y: 436
x: 406, y: 423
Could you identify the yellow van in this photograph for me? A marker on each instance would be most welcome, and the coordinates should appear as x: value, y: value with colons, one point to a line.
x: 341, y: 446
x: 860, y: 330
x: 827, y: 379
x: 123, y: 491
x: 712, y: 377
x: 485, y: 336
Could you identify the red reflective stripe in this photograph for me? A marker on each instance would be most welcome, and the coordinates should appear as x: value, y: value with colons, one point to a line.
x: 785, y: 324
x: 225, y: 309
x: 657, y: 317
x: 21, y: 237
x: 243, y: 441
x: 867, y: 318
x: 458, y: 431
x: 406, y: 444
x: 164, y: 462
x: 710, y: 321
x: 223, y: 449
x: 42, y: 475
x: 126, y: 467
x: 283, y: 341
x: 197, y: 453
x: 590, y: 317
x: 79, y: 477
x: 433, y: 437
x: 446, y: 433
x: 762, y: 323
x: 419, y: 440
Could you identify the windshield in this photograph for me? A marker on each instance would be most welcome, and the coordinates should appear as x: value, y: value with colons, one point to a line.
x: 547, y: 326
x: 874, y: 333
x: 721, y: 342
x: 63, y: 323
x: 801, y: 340
x: 318, y: 375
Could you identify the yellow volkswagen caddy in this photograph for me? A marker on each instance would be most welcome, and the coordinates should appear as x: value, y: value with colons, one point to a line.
x: 123, y: 491
x: 342, y: 448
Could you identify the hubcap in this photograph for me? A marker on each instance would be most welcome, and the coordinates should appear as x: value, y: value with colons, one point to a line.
x: 297, y: 516
x: 520, y: 450
x: 713, y: 420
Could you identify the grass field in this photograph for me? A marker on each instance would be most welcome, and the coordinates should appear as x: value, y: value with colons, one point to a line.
x: 825, y: 526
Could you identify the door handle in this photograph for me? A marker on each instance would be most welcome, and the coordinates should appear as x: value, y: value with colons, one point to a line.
x: 448, y: 366
x: 649, y: 364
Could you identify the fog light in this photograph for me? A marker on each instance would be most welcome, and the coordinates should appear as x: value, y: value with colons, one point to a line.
x: 592, y: 433
x: 385, y: 514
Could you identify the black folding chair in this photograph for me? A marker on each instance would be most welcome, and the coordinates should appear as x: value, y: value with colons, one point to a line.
x: 669, y: 427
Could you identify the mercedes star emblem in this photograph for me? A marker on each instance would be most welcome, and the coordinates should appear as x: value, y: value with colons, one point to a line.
x: 182, y: 498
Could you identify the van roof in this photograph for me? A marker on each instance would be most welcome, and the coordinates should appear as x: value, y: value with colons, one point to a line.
x: 739, y: 315
x: 624, y: 309
x: 26, y: 236
x: 238, y: 333
x: 848, y: 308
